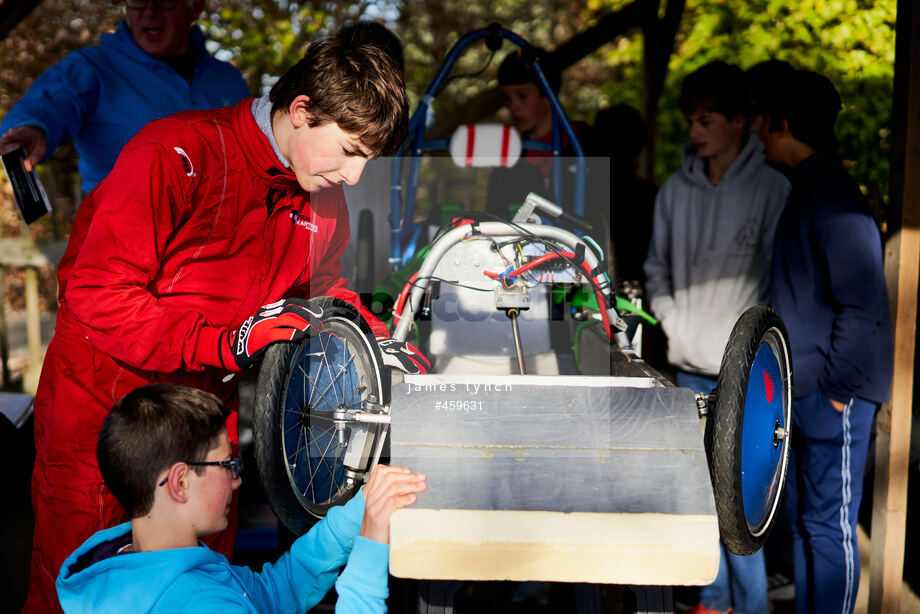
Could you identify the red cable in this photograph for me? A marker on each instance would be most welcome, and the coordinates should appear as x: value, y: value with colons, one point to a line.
x: 550, y: 256
x: 401, y: 299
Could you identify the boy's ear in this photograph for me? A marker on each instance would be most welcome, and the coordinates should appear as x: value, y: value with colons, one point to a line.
x: 299, y: 111
x: 785, y: 129
x: 177, y: 482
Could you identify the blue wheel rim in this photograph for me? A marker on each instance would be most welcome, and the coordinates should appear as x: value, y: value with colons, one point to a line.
x: 762, y: 453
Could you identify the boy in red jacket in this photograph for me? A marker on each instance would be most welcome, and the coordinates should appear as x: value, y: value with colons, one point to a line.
x: 205, y: 217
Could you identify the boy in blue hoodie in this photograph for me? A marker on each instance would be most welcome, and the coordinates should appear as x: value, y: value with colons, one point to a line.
x: 164, y: 452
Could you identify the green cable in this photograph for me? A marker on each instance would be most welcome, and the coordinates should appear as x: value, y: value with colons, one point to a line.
x: 625, y: 305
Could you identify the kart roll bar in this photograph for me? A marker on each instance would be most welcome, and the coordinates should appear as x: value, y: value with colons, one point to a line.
x: 415, y: 144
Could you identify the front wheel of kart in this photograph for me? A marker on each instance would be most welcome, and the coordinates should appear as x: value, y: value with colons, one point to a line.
x: 308, y: 465
x: 751, y: 423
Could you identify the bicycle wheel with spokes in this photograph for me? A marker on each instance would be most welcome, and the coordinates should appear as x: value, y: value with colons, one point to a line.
x: 308, y: 463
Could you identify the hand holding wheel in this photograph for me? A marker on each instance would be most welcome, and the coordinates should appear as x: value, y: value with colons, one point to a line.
x: 404, y: 356
x: 284, y: 320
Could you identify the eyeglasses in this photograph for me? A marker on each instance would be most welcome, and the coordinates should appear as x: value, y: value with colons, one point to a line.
x: 234, y: 466
x: 160, y: 5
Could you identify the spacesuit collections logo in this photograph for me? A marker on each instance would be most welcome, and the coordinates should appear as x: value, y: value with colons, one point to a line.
x: 300, y: 219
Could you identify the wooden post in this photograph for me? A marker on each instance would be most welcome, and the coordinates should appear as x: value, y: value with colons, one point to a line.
x: 4, y: 333
x: 902, y: 268
x: 33, y: 332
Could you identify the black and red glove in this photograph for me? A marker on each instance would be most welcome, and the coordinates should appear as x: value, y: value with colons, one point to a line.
x: 403, y: 356
x: 285, y: 320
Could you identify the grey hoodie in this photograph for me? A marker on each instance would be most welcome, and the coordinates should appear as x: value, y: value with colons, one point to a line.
x: 709, y: 258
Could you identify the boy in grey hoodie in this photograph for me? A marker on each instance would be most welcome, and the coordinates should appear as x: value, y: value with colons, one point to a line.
x: 709, y: 260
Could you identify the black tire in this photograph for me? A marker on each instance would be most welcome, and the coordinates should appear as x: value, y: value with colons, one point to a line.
x: 750, y: 442
x: 300, y: 462
x: 364, y: 260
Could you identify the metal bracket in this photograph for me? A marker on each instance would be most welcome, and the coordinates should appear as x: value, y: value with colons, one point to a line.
x: 515, y: 297
x: 344, y: 416
x: 704, y: 402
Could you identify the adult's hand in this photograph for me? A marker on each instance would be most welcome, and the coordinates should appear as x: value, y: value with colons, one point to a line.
x: 388, y: 489
x: 403, y: 356
x: 30, y: 137
x: 284, y: 320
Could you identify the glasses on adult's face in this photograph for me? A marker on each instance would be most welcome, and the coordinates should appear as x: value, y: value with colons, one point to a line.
x: 161, y: 5
x: 234, y: 466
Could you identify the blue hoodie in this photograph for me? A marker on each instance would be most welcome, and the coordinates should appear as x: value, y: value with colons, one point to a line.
x: 101, y: 96
x: 96, y: 580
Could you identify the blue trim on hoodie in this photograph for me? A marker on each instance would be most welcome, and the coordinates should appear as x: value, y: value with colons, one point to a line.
x: 101, y: 96
x: 828, y: 284
x: 201, y: 580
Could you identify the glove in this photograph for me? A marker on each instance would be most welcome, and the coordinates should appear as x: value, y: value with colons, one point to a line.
x: 403, y: 356
x: 285, y: 320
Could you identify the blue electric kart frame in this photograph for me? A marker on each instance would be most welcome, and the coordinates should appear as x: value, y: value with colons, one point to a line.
x: 404, y: 232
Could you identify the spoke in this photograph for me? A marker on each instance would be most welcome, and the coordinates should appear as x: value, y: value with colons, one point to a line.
x: 331, y: 474
x: 322, y: 460
x: 323, y: 394
x: 307, y: 383
x: 344, y: 371
x: 310, y: 470
x: 330, y: 429
x: 293, y: 466
x: 332, y: 376
x: 303, y: 439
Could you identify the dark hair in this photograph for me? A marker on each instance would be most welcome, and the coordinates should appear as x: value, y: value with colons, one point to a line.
x: 762, y: 80
x: 358, y: 87
x: 376, y: 34
x: 809, y: 103
x: 623, y: 127
x: 717, y: 87
x: 147, y: 431
x: 517, y: 68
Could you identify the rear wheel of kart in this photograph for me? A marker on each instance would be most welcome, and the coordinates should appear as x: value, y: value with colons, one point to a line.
x: 750, y: 426
x: 307, y: 464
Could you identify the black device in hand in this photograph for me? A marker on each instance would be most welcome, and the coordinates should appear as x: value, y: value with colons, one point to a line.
x: 27, y: 187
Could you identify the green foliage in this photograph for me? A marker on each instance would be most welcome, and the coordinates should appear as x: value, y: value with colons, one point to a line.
x: 850, y: 42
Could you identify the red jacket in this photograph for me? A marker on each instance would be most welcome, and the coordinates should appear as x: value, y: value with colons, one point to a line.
x: 195, y: 228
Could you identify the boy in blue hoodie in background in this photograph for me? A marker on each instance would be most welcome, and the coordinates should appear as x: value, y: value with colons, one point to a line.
x: 164, y: 453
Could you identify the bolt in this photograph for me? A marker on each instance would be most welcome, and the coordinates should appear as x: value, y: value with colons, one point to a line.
x: 779, y: 434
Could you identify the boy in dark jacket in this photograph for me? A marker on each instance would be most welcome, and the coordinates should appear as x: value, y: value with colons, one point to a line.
x: 828, y: 285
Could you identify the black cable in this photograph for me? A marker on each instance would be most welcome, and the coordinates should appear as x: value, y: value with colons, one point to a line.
x: 465, y: 75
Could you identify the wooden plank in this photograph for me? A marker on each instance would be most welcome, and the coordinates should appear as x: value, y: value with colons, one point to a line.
x: 555, y: 479
x: 902, y: 258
